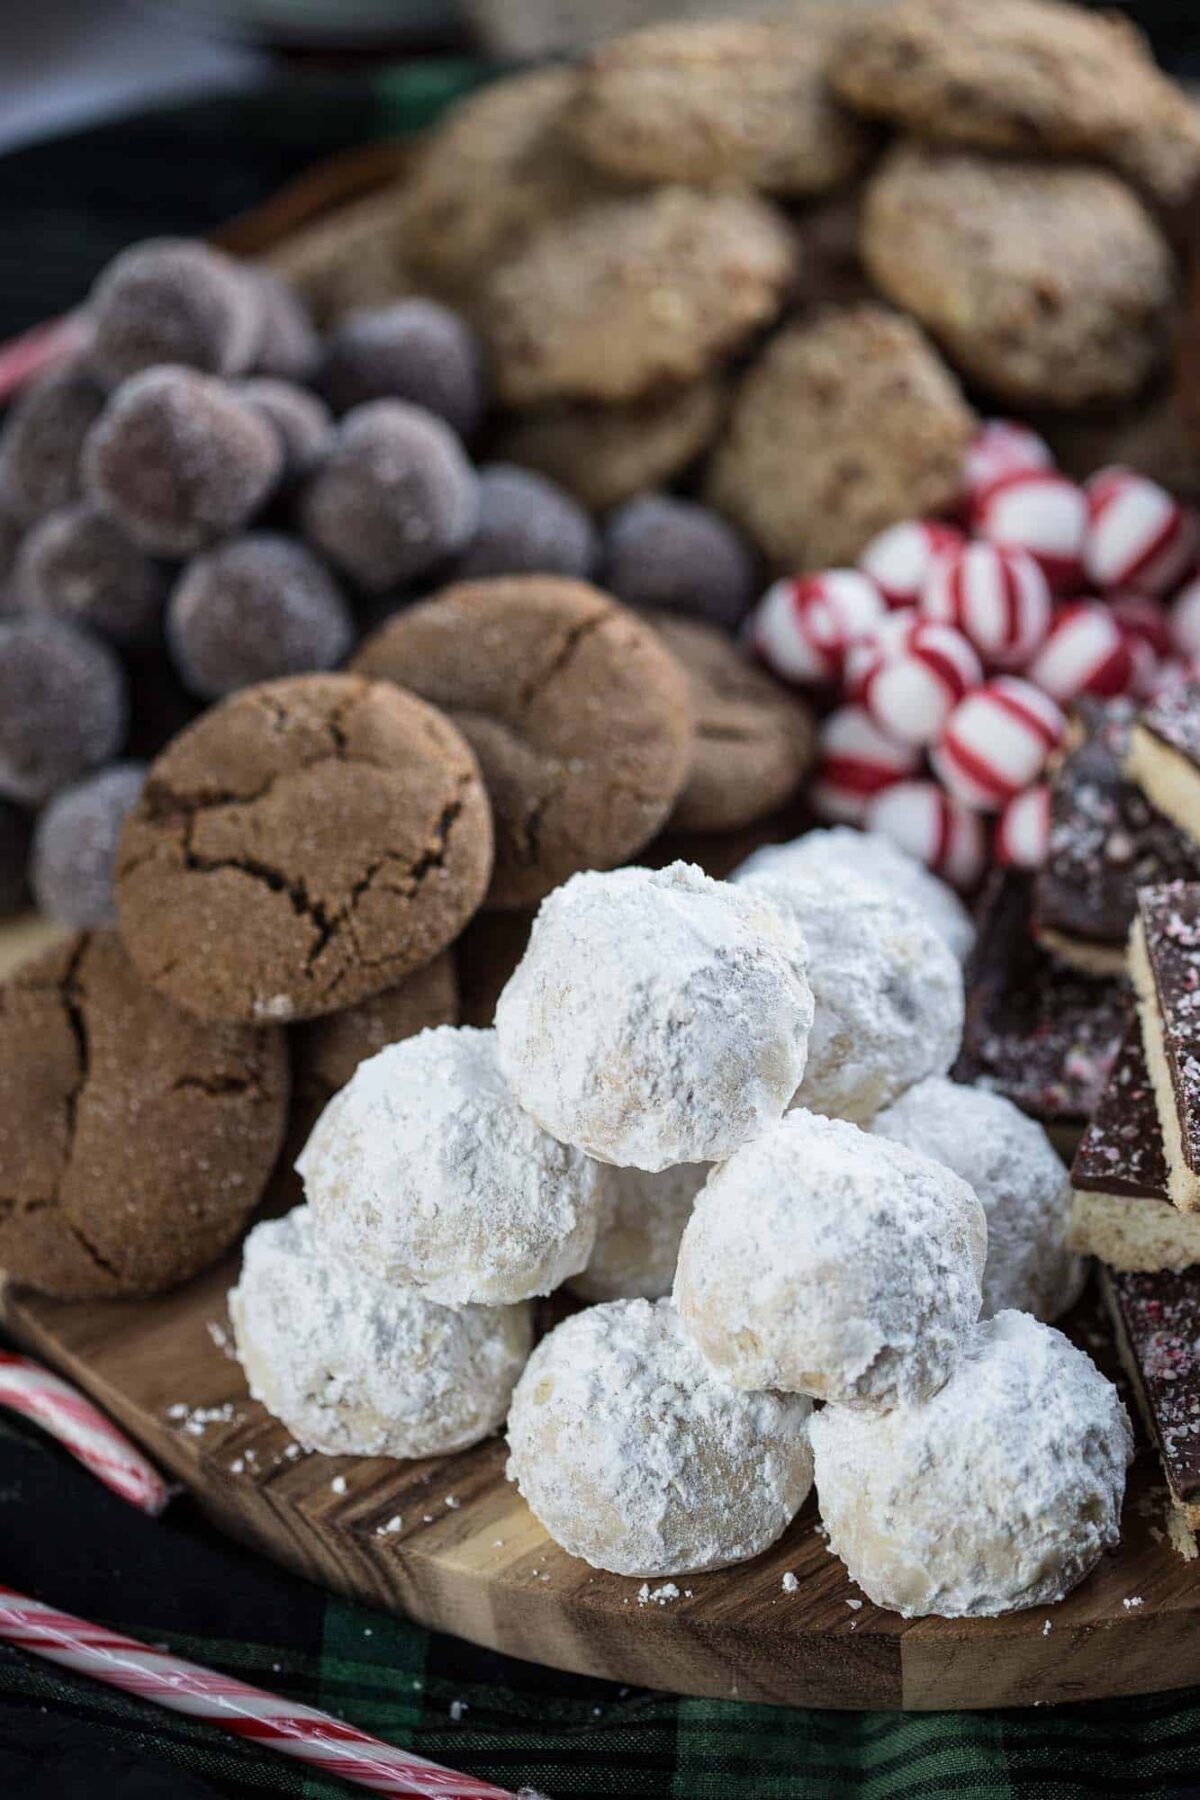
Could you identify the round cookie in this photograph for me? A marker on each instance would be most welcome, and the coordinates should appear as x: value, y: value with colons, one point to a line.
x: 997, y: 1493
x: 754, y: 741
x: 841, y: 426
x: 63, y: 706
x: 413, y: 350
x: 641, y: 1222
x: 634, y: 1455
x: 43, y: 438
x: 289, y: 348
x: 726, y: 100
x: 301, y: 846
x: 528, y: 525
x: 1049, y: 286
x: 76, y: 564
x: 135, y: 1140
x: 173, y: 300
x: 75, y: 846
x: 657, y: 1017
x: 355, y: 1365
x: 425, y: 1170
x: 1028, y: 76
x: 579, y: 717
x: 822, y: 1261
x: 606, y: 454
x: 1021, y: 1182
x: 631, y: 292
x: 671, y: 554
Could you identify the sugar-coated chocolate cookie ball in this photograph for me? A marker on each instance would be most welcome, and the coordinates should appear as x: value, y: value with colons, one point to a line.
x: 414, y: 350
x: 680, y: 557
x: 173, y: 300
x: 75, y: 845
x: 528, y: 525
x: 77, y: 564
x: 62, y: 706
x: 256, y: 608
x: 303, y: 421
x: 289, y: 348
x: 179, y: 461
x: 394, y: 496
x: 43, y: 439
x: 15, y: 829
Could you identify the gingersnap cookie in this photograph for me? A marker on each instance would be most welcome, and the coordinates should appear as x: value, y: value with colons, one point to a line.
x: 841, y: 427
x: 735, y: 100
x: 579, y: 717
x: 630, y: 292
x: 1048, y: 285
x: 606, y: 454
x: 754, y: 741
x: 301, y: 846
x: 135, y: 1139
x: 1031, y: 76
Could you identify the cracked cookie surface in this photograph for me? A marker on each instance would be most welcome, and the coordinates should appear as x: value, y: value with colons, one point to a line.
x: 303, y: 845
x: 134, y: 1140
x: 579, y: 717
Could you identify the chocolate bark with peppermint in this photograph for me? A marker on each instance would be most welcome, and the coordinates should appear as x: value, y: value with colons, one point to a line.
x: 1164, y: 755
x: 1164, y: 960
x: 1155, y: 1317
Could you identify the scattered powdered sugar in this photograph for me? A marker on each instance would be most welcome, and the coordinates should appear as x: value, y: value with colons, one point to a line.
x: 870, y: 854
x: 1134, y: 1600
x: 424, y: 1169
x: 659, y: 1596
x: 641, y: 1222
x: 1019, y: 1178
x: 635, y: 1456
x: 194, y: 1421
x: 657, y: 1017
x: 338, y: 1484
x: 355, y: 1365
x: 888, y: 992
x: 824, y: 1261
x: 393, y: 1525
x: 790, y: 1584
x: 999, y: 1492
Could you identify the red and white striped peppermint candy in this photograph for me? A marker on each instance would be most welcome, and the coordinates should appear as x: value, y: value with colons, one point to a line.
x: 997, y: 597
x: 931, y: 825
x: 1147, y: 634
x: 1023, y: 829
x: 911, y: 674
x: 1139, y: 537
x: 856, y: 761
x: 27, y: 1388
x: 1041, y: 512
x: 1002, y: 447
x: 1086, y: 653
x: 899, y: 559
x: 1184, y: 619
x: 996, y: 742
x: 804, y: 625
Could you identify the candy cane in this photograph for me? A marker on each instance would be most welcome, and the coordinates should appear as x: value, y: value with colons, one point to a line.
x: 248, y: 1712
x: 60, y: 1409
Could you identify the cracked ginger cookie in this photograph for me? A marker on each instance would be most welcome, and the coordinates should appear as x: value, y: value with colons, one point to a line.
x: 135, y: 1140
x: 301, y: 846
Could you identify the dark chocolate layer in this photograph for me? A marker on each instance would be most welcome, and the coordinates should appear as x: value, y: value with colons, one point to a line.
x: 1170, y: 918
x: 1121, y: 1151
x: 1161, y: 1315
x: 1174, y: 718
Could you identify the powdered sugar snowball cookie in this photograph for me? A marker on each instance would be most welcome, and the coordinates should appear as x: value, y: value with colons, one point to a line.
x: 911, y: 674
x: 820, y: 1260
x: 1023, y: 829
x: 997, y: 597
x: 657, y: 1016
x: 1018, y: 1177
x: 356, y: 1365
x: 856, y: 761
x: 899, y: 559
x: 1043, y: 513
x: 804, y: 625
x: 1185, y: 619
x: 1085, y: 653
x: 424, y: 1170
x: 996, y: 742
x: 1000, y: 1492
x: 641, y: 1222
x: 1002, y: 447
x: 887, y: 990
x: 635, y: 1455
x: 930, y: 824
x: 876, y: 858
x: 1139, y: 537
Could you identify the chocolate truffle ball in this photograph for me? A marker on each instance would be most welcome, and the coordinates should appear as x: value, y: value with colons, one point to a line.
x: 303, y: 421
x: 62, y: 706
x: 675, y: 555
x: 253, y: 609
x: 75, y: 845
x: 528, y: 525
x: 415, y: 350
x: 43, y: 441
x: 15, y: 832
x: 394, y: 496
x: 76, y: 564
x: 172, y: 300
x: 179, y: 461
x: 288, y: 345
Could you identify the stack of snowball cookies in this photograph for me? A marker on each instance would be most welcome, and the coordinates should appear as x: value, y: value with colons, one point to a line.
x: 719, y: 1113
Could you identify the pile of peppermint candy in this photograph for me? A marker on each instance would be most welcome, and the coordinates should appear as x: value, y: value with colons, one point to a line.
x: 949, y: 654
